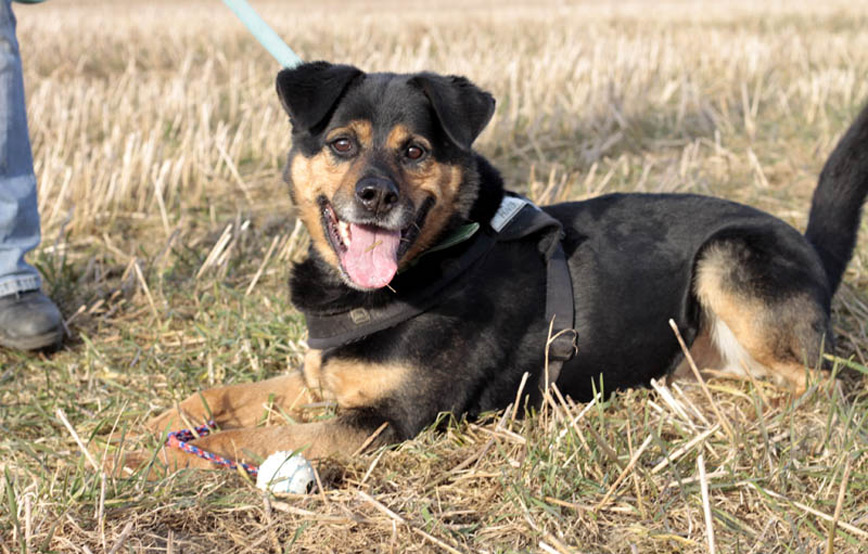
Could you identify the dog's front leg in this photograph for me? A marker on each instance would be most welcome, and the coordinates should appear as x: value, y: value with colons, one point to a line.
x: 236, y: 406
x: 338, y: 437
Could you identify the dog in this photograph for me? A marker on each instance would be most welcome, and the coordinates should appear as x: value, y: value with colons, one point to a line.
x: 428, y: 288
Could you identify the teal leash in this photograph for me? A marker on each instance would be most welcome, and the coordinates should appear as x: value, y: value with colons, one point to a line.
x: 263, y: 33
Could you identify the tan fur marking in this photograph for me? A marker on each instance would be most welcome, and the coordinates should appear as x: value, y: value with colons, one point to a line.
x: 325, y: 175
x: 427, y: 179
x: 704, y: 354
x: 362, y: 130
x: 350, y: 383
x: 354, y: 384
x: 235, y: 406
x: 748, y: 319
x: 312, y: 369
x: 400, y: 135
x: 312, y: 177
x: 744, y: 316
x: 441, y: 182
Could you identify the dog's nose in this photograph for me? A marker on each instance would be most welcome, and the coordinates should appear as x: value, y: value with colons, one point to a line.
x: 376, y: 194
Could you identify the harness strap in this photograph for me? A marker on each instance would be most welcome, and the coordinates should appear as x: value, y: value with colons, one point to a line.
x: 560, y: 312
x: 561, y: 345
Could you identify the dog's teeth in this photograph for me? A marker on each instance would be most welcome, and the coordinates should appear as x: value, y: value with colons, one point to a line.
x: 344, y: 229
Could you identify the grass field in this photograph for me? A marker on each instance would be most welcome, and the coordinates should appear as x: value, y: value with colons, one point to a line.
x: 168, y: 236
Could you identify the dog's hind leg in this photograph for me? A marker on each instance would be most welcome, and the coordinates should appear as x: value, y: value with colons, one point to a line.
x: 763, y: 312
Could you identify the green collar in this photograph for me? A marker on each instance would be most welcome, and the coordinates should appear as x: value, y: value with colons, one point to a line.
x: 459, y: 235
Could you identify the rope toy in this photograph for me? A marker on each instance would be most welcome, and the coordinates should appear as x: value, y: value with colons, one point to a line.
x: 181, y: 440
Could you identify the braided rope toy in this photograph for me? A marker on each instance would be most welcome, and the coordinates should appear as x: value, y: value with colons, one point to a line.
x: 181, y: 440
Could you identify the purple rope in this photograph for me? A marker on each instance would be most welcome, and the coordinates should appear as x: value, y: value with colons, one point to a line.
x: 181, y: 439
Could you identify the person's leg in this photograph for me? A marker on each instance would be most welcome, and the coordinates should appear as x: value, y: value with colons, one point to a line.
x: 28, y: 320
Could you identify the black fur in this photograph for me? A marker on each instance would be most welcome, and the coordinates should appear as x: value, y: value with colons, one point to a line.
x: 309, y: 92
x: 462, y: 109
x: 837, y: 205
x: 632, y: 258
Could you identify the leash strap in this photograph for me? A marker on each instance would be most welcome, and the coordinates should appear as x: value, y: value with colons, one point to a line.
x: 266, y: 36
x: 181, y: 440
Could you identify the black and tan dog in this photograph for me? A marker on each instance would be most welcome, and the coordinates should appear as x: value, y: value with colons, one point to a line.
x: 413, y: 243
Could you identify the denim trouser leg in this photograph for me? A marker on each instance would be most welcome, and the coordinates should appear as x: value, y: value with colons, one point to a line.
x: 19, y: 216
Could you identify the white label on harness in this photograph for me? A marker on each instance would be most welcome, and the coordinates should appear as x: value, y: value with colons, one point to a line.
x: 509, y: 206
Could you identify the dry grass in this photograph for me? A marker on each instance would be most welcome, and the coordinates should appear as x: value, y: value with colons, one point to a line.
x: 167, y: 237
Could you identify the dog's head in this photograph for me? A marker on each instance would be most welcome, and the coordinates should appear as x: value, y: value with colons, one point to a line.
x: 381, y: 163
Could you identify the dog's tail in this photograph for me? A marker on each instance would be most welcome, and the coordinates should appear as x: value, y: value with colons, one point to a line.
x: 836, y: 209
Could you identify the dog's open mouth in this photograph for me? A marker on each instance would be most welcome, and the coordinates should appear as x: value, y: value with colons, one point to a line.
x: 368, y: 254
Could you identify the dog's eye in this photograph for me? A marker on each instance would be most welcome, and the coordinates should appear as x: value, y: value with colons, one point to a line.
x: 414, y: 152
x: 343, y: 146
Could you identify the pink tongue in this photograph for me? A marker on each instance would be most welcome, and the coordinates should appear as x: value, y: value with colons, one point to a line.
x: 372, y: 258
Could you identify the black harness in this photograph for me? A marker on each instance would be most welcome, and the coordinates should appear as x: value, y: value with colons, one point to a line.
x: 517, y: 218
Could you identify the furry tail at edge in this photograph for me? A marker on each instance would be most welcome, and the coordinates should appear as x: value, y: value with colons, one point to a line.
x: 836, y: 209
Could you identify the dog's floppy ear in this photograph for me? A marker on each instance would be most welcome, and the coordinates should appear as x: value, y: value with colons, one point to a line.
x: 309, y: 91
x: 462, y: 108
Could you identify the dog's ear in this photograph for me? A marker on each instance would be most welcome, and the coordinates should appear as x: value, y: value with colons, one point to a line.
x: 310, y: 91
x: 462, y: 108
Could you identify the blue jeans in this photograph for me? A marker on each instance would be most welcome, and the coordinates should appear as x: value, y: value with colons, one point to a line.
x: 19, y: 215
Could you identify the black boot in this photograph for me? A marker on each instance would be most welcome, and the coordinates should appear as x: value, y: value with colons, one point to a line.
x: 29, y: 321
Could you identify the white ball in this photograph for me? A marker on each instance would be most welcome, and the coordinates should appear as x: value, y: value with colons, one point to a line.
x: 284, y: 472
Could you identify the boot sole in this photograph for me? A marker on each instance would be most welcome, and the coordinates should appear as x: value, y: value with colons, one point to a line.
x: 38, y: 342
